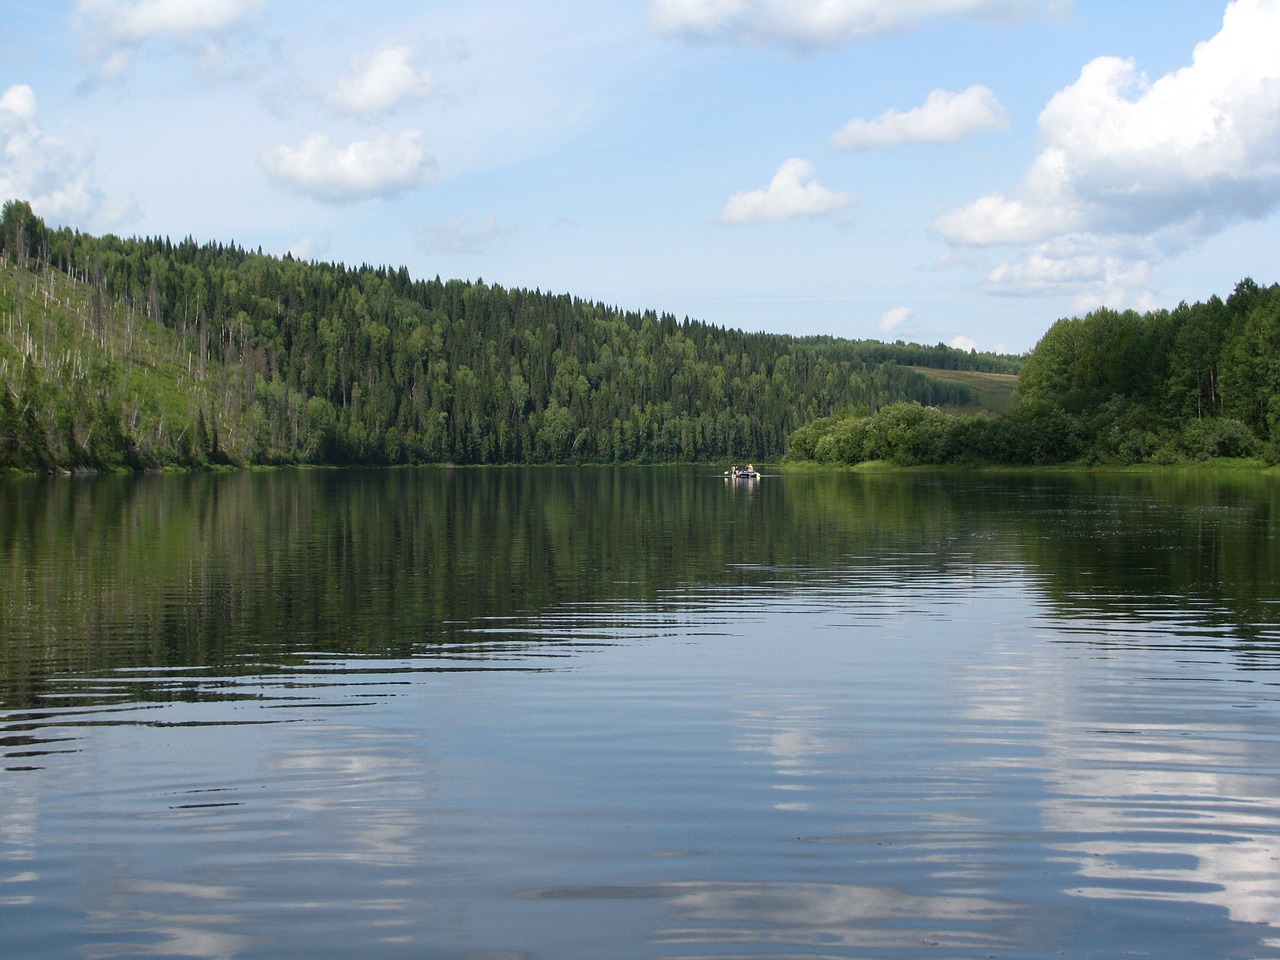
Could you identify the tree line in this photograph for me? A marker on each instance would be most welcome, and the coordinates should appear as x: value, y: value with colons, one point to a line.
x: 141, y: 353
x: 1166, y: 386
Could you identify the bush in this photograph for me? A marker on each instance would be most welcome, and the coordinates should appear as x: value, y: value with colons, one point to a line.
x: 1217, y: 437
x: 1048, y: 436
x: 847, y: 442
x: 803, y: 443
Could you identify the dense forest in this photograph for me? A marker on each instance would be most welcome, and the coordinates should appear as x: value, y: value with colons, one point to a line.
x: 143, y: 353
x: 1167, y: 386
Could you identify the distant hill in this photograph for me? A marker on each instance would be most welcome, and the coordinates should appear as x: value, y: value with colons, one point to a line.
x: 143, y: 353
x: 992, y: 392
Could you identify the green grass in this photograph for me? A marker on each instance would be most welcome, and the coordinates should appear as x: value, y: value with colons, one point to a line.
x: 993, y: 390
x: 85, y: 350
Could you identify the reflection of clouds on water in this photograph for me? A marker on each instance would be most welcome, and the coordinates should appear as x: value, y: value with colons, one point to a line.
x: 202, y: 851
x: 18, y: 840
x: 850, y: 916
x: 787, y: 735
x: 845, y: 916
x: 1186, y: 824
x: 373, y: 797
x: 186, y: 931
x: 1154, y: 790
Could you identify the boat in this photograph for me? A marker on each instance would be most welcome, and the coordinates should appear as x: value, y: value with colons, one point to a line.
x: 742, y: 473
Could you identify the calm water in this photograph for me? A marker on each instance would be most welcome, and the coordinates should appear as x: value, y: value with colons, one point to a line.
x: 638, y: 713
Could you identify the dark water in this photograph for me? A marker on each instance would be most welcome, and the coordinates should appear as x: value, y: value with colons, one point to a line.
x: 639, y: 713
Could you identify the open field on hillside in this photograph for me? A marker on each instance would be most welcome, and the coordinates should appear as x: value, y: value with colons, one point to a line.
x: 993, y: 389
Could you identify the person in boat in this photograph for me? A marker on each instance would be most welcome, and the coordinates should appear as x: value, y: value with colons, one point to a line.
x: 751, y: 470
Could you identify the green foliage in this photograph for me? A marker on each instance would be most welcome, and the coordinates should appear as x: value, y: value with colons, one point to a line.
x: 908, y: 434
x: 938, y: 357
x: 1251, y: 360
x: 1195, y: 383
x: 134, y: 354
x: 210, y: 354
x: 1081, y: 362
x: 1213, y: 437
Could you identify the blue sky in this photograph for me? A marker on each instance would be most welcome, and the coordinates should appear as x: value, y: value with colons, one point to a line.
x: 958, y: 171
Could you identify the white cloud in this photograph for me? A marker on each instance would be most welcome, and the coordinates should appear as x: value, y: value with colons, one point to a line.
x: 943, y: 118
x: 895, y: 318
x: 1095, y: 270
x: 380, y: 82
x: 133, y: 21
x: 19, y: 105
x: 995, y: 219
x: 1135, y: 170
x: 114, y: 29
x: 817, y: 24
x: 384, y: 167
x: 964, y: 343
x: 793, y: 192
x: 54, y: 174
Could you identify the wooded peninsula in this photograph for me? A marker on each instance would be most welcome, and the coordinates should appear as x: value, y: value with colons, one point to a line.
x: 143, y: 353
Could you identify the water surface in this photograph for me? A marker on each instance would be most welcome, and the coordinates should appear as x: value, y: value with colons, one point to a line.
x: 639, y: 713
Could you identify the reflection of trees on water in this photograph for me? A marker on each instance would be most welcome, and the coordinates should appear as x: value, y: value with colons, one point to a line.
x: 243, y: 571
x: 1195, y: 552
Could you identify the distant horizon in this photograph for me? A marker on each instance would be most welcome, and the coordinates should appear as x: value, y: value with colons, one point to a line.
x: 860, y: 170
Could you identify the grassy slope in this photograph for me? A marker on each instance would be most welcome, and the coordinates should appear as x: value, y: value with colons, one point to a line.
x: 83, y: 346
x: 993, y: 389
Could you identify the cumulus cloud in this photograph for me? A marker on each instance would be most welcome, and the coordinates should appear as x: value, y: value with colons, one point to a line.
x: 817, y: 24
x: 54, y: 174
x: 793, y: 192
x: 384, y: 167
x: 895, y: 318
x: 380, y: 82
x: 995, y: 219
x: 1134, y: 170
x: 115, y: 28
x: 1094, y: 270
x: 133, y: 21
x: 944, y: 117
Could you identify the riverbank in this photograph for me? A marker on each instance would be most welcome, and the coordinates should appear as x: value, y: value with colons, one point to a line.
x: 1253, y: 465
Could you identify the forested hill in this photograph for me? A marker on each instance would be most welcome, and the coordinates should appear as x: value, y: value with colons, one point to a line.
x: 1169, y: 386
x: 144, y: 352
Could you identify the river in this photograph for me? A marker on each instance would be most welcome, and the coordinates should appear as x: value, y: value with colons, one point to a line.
x: 640, y: 713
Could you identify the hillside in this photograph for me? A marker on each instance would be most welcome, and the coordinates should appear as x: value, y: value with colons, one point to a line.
x: 1199, y: 382
x: 86, y: 381
x: 144, y: 353
x: 992, y: 392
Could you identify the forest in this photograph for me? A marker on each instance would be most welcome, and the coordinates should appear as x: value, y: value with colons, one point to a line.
x: 140, y: 354
x: 145, y: 353
x: 1190, y: 384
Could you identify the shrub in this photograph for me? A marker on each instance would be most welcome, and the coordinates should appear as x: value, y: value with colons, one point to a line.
x: 1217, y: 437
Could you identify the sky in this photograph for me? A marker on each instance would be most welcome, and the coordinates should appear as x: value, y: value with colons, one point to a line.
x: 936, y: 171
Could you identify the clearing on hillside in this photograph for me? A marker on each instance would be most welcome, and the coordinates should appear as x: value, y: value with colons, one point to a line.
x: 993, y: 389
